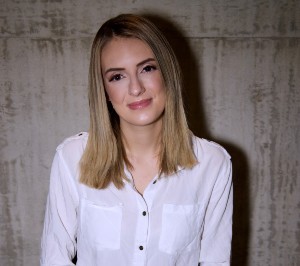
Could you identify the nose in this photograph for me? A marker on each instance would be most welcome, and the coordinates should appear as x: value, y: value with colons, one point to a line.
x: 136, y: 87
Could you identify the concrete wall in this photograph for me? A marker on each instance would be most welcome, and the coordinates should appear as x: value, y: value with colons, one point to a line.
x: 241, y: 61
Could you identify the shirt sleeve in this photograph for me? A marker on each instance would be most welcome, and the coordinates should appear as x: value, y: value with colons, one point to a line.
x: 58, y: 245
x: 217, y: 232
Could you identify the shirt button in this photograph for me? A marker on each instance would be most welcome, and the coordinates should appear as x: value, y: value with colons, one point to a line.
x: 154, y: 182
x: 141, y: 247
x: 144, y: 213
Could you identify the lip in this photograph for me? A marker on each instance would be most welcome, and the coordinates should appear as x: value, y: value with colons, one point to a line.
x: 139, y: 104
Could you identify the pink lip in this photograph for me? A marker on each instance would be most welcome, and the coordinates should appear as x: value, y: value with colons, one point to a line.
x: 139, y: 104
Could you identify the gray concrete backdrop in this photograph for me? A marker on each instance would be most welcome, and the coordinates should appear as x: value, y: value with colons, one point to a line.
x: 241, y: 61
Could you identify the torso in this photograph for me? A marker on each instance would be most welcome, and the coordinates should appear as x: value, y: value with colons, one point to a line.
x: 163, y: 227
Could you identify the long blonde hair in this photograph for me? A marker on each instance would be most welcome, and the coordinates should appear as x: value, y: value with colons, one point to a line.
x: 104, y: 156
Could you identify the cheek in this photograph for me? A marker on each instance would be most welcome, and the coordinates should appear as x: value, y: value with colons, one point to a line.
x: 161, y: 92
x: 163, y: 99
x: 114, y: 95
x: 155, y: 85
x: 160, y: 86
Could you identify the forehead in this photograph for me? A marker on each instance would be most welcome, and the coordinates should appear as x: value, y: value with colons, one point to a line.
x: 117, y: 42
x: 119, y: 49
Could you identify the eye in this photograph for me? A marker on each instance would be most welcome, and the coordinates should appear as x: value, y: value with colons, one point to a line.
x: 115, y: 77
x: 149, y: 68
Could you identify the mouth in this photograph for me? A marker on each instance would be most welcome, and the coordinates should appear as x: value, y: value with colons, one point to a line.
x: 139, y: 104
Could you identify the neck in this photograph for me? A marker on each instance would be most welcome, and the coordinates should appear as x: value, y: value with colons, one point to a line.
x: 142, y: 141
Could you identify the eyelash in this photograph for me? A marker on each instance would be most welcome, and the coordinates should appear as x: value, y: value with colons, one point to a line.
x: 151, y: 68
x: 115, y: 77
x: 148, y: 68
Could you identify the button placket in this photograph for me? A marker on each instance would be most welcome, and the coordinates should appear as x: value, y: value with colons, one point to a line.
x: 142, y: 229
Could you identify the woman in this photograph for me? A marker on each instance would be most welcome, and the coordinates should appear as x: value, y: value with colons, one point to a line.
x: 139, y: 188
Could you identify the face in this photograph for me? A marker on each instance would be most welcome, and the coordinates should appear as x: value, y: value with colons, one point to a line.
x: 133, y: 82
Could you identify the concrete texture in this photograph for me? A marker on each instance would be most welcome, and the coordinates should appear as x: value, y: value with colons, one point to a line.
x: 241, y: 63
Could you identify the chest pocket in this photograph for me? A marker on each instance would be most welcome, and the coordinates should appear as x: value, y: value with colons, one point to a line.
x: 180, y: 226
x: 101, y: 224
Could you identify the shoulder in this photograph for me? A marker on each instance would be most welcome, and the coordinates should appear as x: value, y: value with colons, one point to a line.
x: 213, y: 159
x: 209, y: 150
x: 73, y: 146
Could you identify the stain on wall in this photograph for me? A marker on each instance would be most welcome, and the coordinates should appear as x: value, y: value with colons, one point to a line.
x: 242, y: 78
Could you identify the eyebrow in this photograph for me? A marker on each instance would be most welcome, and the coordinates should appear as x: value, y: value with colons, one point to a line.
x: 139, y: 64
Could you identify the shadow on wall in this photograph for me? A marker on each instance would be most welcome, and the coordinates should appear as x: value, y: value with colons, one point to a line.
x: 195, y: 113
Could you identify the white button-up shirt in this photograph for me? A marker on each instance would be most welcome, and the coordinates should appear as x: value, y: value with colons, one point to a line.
x: 183, y: 219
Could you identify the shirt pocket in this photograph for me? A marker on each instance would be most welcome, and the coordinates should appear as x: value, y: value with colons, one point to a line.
x: 101, y: 224
x: 180, y: 226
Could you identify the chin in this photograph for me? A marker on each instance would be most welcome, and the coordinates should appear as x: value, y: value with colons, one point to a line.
x: 147, y: 122
x: 143, y: 123
x: 142, y: 120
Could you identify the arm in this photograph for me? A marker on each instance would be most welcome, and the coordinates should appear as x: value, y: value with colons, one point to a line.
x: 58, y: 245
x: 217, y: 233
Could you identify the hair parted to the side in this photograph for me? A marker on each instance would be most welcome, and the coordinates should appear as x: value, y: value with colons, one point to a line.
x: 104, y: 156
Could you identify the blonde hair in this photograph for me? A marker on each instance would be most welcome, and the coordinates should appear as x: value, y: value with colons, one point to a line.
x: 104, y: 156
